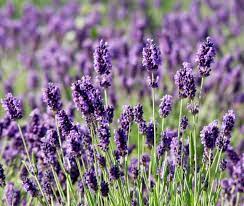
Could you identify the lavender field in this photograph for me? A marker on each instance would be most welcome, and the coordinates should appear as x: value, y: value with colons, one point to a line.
x: 121, y: 103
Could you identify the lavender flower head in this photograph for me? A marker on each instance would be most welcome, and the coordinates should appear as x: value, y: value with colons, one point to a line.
x: 165, y: 106
x: 64, y: 122
x: 104, y: 189
x: 151, y: 56
x: 126, y: 118
x: 150, y: 134
x: 228, y: 122
x: 176, y: 151
x: 30, y: 187
x: 205, y: 57
x: 121, y: 142
x: 13, y: 106
x: 138, y: 113
x: 227, y: 126
x: 52, y: 97
x: 166, y: 139
x: 102, y: 58
x: 87, y: 99
x: 209, y: 135
x: 183, y: 123
x: 73, y: 144
x: 104, y: 135
x: 114, y: 173
x: 12, y: 195
x: 91, y: 180
x: 185, y: 82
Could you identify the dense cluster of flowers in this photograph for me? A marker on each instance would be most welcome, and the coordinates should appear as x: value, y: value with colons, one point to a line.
x: 92, y: 135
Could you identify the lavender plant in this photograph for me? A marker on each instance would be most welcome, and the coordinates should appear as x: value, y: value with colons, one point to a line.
x: 103, y: 120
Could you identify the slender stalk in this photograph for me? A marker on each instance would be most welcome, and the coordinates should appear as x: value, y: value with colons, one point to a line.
x: 32, y: 165
x: 154, y: 120
x: 106, y: 97
x: 195, y: 160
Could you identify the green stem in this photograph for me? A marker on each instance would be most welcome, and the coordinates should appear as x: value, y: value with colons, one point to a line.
x: 32, y: 165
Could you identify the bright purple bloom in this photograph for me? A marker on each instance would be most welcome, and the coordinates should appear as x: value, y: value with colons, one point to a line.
x: 228, y: 122
x: 183, y: 123
x: 73, y: 144
x: 114, y: 173
x: 47, y: 181
x: 102, y: 58
x: 104, y: 189
x: 151, y: 56
x: 64, y: 122
x: 91, y: 180
x: 87, y: 99
x: 232, y: 155
x: 193, y: 108
x: 120, y: 139
x: 49, y: 153
x: 205, y: 57
x: 52, y: 97
x: 126, y: 118
x: 165, y: 106
x: 209, y: 135
x: 176, y: 151
x: 138, y: 113
x: 13, y: 106
x: 30, y: 187
x: 51, y: 137
x: 166, y: 139
x: 109, y: 113
x: 104, y: 135
x: 150, y: 134
x: 185, y: 82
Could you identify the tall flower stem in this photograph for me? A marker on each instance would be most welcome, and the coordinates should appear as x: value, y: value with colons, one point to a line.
x: 154, y: 120
x: 32, y: 165
x: 180, y: 115
x: 106, y: 97
x: 195, y: 160
x: 195, y: 122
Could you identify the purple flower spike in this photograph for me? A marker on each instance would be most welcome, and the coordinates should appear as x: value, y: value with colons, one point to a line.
x: 185, y: 82
x: 114, y: 173
x: 104, y: 189
x: 52, y: 97
x: 150, y: 134
x: 126, y: 118
x: 151, y: 56
x: 183, y: 123
x: 121, y: 142
x: 104, y: 135
x: 64, y: 122
x: 138, y: 113
x: 102, y: 59
x: 166, y: 139
x: 165, y: 106
x: 91, y: 180
x: 209, y: 135
x: 205, y: 57
x: 30, y: 187
x: 228, y: 122
x: 13, y: 106
x: 227, y: 126
x: 87, y: 99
